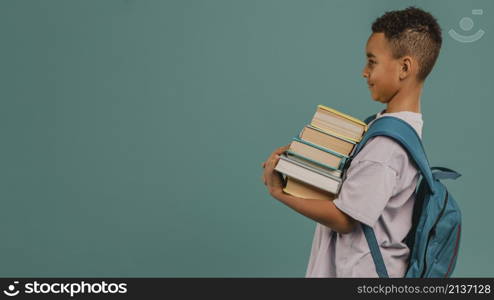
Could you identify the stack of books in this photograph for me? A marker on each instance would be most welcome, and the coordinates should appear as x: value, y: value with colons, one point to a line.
x: 315, y: 161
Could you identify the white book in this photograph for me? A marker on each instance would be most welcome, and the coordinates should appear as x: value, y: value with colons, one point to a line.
x: 309, y: 175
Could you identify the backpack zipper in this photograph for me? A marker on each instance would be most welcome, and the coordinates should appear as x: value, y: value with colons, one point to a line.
x: 455, y: 251
x: 433, y: 231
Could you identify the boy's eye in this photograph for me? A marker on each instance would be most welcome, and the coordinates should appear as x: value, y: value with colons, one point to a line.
x: 371, y: 62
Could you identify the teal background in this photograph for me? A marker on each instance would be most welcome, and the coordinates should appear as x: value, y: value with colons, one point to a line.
x: 133, y: 132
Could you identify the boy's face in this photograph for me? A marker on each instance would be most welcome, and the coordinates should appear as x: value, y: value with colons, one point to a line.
x: 382, y: 70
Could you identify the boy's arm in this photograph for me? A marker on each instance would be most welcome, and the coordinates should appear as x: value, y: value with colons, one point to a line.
x: 319, y: 210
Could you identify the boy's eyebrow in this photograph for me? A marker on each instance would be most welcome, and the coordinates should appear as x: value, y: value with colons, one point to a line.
x: 370, y: 54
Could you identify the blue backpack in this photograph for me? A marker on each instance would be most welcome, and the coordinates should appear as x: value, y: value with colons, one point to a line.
x: 434, y: 237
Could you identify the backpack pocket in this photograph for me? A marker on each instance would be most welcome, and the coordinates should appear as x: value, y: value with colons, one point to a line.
x: 444, y: 256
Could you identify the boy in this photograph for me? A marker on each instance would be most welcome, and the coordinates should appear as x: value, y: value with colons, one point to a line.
x: 380, y: 186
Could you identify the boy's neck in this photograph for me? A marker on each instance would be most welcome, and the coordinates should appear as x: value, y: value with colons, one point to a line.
x: 406, y: 99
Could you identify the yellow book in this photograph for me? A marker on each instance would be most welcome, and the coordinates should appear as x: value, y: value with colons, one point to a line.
x: 301, y: 189
x: 335, y: 133
x: 348, y: 127
x: 343, y: 115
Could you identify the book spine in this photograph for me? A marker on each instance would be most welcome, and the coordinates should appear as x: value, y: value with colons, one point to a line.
x: 342, y: 163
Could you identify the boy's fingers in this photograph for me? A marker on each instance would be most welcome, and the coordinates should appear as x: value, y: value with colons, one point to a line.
x: 275, y: 154
x: 271, y: 164
x: 271, y: 161
x: 282, y: 149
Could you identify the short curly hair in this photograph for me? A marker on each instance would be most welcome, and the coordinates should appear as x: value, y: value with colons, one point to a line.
x: 413, y: 32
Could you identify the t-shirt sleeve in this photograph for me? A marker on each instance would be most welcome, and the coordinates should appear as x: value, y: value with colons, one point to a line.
x: 366, y: 190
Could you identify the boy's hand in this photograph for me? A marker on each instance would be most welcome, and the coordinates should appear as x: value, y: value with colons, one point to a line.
x: 271, y: 178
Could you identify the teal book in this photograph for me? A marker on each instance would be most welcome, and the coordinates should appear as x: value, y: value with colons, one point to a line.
x: 312, y: 163
x: 317, y: 154
x: 327, y: 140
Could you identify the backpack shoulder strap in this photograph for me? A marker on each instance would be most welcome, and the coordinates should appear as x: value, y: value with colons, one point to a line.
x: 405, y: 135
x: 375, y: 252
x: 370, y: 119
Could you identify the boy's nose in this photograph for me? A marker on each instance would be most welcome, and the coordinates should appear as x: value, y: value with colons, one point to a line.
x: 364, y: 73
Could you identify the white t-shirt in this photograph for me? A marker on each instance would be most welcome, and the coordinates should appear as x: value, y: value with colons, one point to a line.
x: 379, y: 191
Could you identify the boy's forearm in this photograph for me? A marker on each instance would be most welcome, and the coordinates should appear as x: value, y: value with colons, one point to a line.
x: 319, y: 210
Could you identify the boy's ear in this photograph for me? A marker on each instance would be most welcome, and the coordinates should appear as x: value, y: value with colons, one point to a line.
x: 406, y: 67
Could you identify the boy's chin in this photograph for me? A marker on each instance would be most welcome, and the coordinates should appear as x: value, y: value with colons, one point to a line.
x: 378, y: 99
x: 375, y: 98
